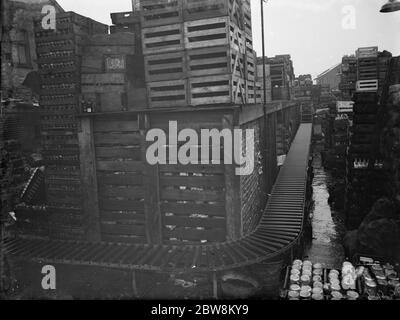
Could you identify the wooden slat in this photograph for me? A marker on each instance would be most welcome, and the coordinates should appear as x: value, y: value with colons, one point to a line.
x: 121, y: 229
x: 211, y: 169
x: 89, y: 180
x: 194, y: 222
x: 151, y: 189
x: 127, y: 192
x: 232, y: 194
x: 187, y: 209
x: 127, y: 139
x: 196, y: 235
x: 121, y: 205
x: 118, y: 152
x: 115, y: 126
x: 118, y: 216
x: 116, y: 166
x: 123, y: 239
x: 191, y: 195
x: 193, y: 181
x: 127, y: 179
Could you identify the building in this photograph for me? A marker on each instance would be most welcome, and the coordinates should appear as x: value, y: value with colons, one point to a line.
x: 330, y: 77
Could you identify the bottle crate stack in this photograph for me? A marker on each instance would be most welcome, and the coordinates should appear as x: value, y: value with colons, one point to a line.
x: 128, y: 22
x: 348, y: 77
x: 59, y: 60
x: 112, y: 77
x: 282, y: 75
x: 303, y: 87
x: 198, y: 52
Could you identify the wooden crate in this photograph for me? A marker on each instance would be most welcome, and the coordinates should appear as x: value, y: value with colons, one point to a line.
x: 251, y: 92
x: 365, y: 119
x: 367, y: 86
x: 365, y: 108
x: 364, y: 128
x: 214, y: 32
x: 254, y: 92
x: 367, y: 52
x: 217, y: 89
x: 163, y: 39
x: 165, y: 66
x: 247, y: 17
x: 70, y: 66
x: 130, y: 28
x: 125, y: 18
x: 250, y: 66
x: 102, y: 81
x: 205, y: 9
x: 120, y: 180
x: 215, y: 61
x: 160, y: 12
x: 367, y: 69
x: 168, y: 93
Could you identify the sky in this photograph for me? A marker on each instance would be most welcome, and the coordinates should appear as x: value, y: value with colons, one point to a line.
x: 316, y: 33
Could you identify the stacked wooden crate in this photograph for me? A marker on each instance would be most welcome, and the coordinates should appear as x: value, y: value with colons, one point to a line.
x: 112, y: 75
x: 367, y: 69
x: 282, y: 76
x: 128, y: 22
x: 198, y: 52
x: 59, y: 59
x: 348, y: 77
x: 303, y: 87
x: 260, y: 76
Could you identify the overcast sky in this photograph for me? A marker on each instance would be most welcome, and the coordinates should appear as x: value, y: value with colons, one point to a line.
x: 317, y: 33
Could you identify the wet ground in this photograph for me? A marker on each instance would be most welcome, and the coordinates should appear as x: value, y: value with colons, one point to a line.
x: 327, y: 225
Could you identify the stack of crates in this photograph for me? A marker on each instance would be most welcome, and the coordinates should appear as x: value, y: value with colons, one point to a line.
x: 348, y: 77
x: 128, y: 22
x: 198, y: 52
x: 282, y: 74
x: 367, y: 69
x: 59, y: 61
x: 303, y: 87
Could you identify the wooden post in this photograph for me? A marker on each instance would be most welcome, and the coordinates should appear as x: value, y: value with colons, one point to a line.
x: 232, y: 192
x: 215, y: 285
x: 151, y: 182
x: 134, y: 285
x: 87, y: 156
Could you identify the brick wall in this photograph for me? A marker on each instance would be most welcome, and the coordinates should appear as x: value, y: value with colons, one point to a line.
x: 252, y: 188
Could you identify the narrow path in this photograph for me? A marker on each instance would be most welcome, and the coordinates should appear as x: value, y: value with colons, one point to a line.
x: 326, y: 246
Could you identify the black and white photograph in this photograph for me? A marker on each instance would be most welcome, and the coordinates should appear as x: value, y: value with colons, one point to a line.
x: 213, y: 152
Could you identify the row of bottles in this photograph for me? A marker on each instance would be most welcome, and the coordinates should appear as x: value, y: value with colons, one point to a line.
x: 59, y: 65
x: 56, y: 54
x: 364, y: 164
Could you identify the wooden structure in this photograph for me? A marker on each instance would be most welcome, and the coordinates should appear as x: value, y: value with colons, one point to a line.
x: 59, y: 58
x: 281, y: 76
x: 279, y: 231
x: 204, y: 49
x: 112, y: 77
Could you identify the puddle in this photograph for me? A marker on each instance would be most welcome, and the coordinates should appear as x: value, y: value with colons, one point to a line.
x: 326, y: 245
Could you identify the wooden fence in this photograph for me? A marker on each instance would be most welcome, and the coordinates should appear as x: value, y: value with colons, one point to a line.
x: 128, y: 200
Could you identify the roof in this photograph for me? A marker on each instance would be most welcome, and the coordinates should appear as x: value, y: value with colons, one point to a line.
x: 329, y: 70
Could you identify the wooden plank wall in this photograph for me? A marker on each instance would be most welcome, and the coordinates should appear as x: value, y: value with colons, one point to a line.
x: 192, y: 198
x: 171, y: 203
x: 120, y: 179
